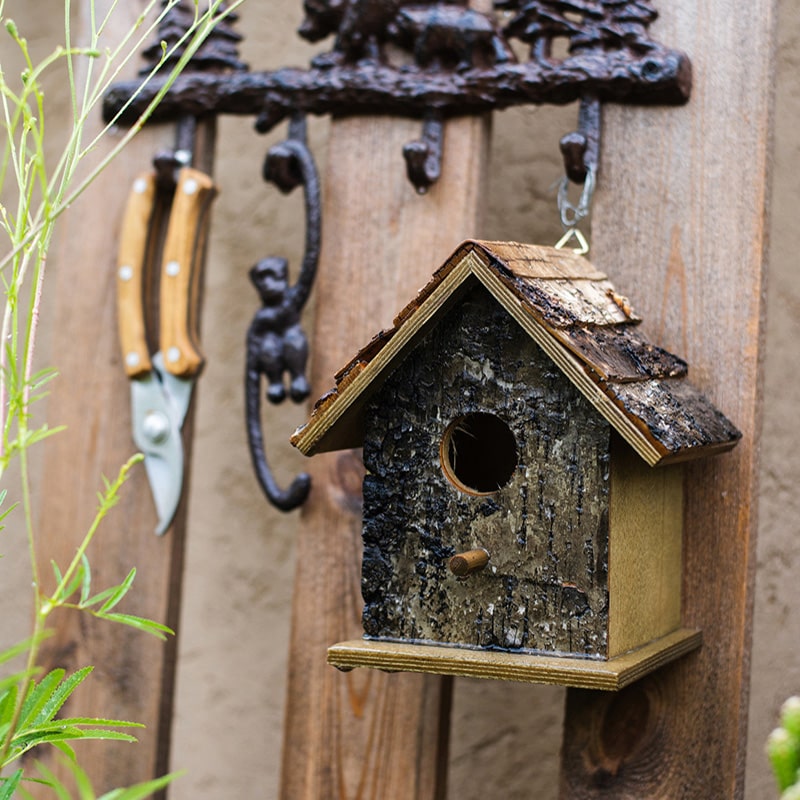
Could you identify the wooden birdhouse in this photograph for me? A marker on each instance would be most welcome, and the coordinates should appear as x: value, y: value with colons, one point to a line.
x: 523, y: 498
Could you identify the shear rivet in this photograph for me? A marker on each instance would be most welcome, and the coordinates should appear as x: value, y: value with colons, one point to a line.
x: 172, y: 268
x: 155, y: 427
x: 132, y: 359
x: 190, y: 186
x: 140, y: 186
x: 173, y: 354
x: 125, y: 272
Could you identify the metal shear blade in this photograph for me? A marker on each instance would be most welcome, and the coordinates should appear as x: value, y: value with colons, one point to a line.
x: 159, y: 402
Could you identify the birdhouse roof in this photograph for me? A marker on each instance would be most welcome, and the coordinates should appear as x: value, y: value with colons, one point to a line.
x: 573, y: 313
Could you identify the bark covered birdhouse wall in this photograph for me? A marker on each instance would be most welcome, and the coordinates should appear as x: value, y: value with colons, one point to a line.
x: 514, y: 417
x: 476, y: 405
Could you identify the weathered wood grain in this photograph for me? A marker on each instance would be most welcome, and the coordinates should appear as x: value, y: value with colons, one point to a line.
x: 364, y: 734
x: 134, y: 675
x: 679, y: 222
x: 644, y: 558
x: 585, y: 673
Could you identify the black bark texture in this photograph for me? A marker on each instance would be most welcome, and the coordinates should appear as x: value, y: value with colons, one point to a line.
x: 546, y: 586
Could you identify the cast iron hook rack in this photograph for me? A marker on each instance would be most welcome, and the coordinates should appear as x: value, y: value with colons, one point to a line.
x: 456, y: 61
x: 462, y: 63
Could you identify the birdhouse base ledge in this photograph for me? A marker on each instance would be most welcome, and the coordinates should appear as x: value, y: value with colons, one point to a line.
x: 611, y: 675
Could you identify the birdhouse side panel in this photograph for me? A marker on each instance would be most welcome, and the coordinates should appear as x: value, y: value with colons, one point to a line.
x: 477, y: 441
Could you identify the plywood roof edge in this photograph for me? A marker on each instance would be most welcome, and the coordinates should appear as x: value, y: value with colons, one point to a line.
x: 370, y: 363
x: 473, y: 257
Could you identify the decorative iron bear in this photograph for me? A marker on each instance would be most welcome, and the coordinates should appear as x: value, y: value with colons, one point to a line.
x: 432, y: 31
x: 451, y: 35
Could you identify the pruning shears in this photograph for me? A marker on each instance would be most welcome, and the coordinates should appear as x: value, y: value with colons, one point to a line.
x: 162, y: 383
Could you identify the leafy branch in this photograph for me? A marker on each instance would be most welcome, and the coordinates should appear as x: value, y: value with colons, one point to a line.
x: 30, y: 701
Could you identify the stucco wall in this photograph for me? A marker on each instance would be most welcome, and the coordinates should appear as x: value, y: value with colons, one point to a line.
x: 239, y: 565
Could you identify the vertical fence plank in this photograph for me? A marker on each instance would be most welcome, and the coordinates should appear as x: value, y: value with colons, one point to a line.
x: 680, y: 223
x: 365, y: 734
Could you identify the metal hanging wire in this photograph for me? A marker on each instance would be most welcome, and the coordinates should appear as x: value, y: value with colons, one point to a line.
x: 573, y: 214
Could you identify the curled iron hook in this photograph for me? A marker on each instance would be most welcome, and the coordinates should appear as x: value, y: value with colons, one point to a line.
x: 276, y: 344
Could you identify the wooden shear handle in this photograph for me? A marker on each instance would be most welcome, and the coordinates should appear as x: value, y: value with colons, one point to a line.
x: 180, y: 279
x: 131, y: 261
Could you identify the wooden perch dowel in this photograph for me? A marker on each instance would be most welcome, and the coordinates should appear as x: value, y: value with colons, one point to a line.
x: 463, y: 564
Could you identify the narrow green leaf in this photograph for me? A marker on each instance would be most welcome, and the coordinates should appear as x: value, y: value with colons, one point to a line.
x: 21, y: 648
x: 23, y: 793
x: 40, y: 434
x: 12, y: 681
x: 27, y: 744
x: 56, y: 572
x: 98, y: 598
x: 67, y: 687
x: 49, y: 778
x: 119, y: 592
x: 42, y: 377
x: 140, y: 623
x: 93, y: 734
x: 9, y: 785
x: 7, y: 703
x: 39, y: 694
x: 76, y: 722
x: 141, y: 790
x: 82, y: 782
x: 66, y: 750
x: 72, y: 586
x: 7, y: 511
x: 46, y: 697
x: 86, y: 582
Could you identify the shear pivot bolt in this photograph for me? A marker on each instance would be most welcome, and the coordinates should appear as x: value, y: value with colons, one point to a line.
x: 125, y: 272
x: 156, y: 427
x: 172, y: 268
x: 173, y: 355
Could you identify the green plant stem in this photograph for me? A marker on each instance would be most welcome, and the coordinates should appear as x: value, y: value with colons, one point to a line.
x: 39, y: 619
x: 42, y: 197
x: 25, y: 480
x: 38, y: 623
x: 106, y: 503
x: 44, y: 607
x: 30, y: 668
x: 65, y: 202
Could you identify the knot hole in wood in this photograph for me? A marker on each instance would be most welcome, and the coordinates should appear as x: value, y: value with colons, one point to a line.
x: 622, y: 748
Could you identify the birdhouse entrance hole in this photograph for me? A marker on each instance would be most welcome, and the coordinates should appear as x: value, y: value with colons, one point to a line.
x: 478, y: 453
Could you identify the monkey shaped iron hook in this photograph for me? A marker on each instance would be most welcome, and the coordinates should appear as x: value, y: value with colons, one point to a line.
x: 277, y: 347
